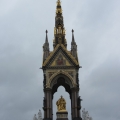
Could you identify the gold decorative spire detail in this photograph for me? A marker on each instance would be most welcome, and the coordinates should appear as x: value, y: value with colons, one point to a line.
x: 58, y: 8
x: 58, y: 3
x: 59, y: 29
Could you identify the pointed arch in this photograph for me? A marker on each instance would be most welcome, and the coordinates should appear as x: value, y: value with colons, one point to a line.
x: 65, y: 75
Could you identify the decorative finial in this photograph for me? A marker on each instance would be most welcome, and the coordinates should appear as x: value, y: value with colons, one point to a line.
x: 73, y: 40
x: 46, y: 31
x: 58, y: 2
x: 46, y: 40
x: 59, y: 9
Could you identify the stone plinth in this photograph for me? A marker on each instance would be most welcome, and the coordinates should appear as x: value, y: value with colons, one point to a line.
x: 62, y: 115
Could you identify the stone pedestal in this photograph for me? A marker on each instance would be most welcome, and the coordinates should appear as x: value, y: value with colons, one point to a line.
x: 62, y: 115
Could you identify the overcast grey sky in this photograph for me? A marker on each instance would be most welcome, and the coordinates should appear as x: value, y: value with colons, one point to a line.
x: 22, y: 33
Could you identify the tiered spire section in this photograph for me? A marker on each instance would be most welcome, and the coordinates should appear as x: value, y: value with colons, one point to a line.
x: 59, y: 30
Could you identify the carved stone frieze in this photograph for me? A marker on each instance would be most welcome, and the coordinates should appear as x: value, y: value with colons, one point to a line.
x: 50, y: 74
x: 71, y: 73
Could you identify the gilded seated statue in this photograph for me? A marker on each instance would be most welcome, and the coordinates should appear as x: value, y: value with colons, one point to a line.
x: 61, y: 104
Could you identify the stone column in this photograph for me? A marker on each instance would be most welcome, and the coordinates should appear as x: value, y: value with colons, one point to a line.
x: 48, y: 106
x: 74, y: 104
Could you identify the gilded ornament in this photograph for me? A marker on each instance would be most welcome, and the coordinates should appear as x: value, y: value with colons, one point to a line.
x: 54, y: 30
x: 64, y: 31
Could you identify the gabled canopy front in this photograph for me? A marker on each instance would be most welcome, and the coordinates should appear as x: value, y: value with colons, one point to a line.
x: 60, y: 52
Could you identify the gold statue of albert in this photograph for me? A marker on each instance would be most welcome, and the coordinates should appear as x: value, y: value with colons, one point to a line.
x: 61, y: 104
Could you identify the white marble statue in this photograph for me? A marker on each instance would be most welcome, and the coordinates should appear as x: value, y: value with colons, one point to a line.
x: 39, y: 115
x: 90, y: 118
x: 85, y: 115
x: 35, y: 118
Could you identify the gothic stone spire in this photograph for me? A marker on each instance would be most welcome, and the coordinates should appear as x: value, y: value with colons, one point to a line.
x: 73, y: 46
x: 46, y: 47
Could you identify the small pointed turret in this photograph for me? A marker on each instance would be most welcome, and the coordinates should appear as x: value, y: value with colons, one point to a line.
x: 46, y: 47
x: 73, y: 46
x: 59, y: 30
